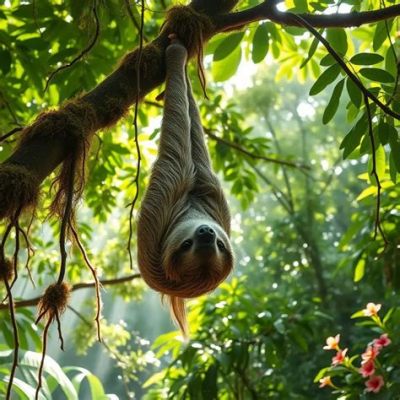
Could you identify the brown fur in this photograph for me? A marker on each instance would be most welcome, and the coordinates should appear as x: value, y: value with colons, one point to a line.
x: 183, y: 194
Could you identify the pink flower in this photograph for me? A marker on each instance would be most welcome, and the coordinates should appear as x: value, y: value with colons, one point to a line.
x: 367, y: 369
x: 383, y: 341
x: 371, y: 309
x: 339, y: 358
x: 374, y: 384
x: 325, y: 381
x: 370, y: 354
x: 332, y: 343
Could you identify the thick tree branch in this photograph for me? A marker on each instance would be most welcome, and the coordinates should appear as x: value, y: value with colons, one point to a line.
x: 267, y: 10
x: 50, y: 144
x: 84, y: 285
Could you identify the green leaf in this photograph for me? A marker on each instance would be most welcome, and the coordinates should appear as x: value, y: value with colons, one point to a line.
x: 26, y: 391
x: 380, y: 165
x: 380, y: 34
x: 225, y: 69
x: 392, y: 168
x: 301, y: 5
x: 369, y: 191
x: 354, y: 93
x: 395, y: 153
x: 353, y: 138
x: 380, y: 158
x: 359, y: 270
x: 31, y: 359
x: 321, y: 374
x: 209, y: 386
x: 5, y: 61
x: 157, y: 377
x: 366, y: 59
x: 337, y: 38
x: 228, y: 45
x: 333, y: 104
x: 391, y: 62
x: 34, y: 44
x: 377, y: 75
x: 96, y: 388
x: 326, y: 78
x: 385, y: 131
x: 260, y: 44
x: 358, y: 314
x: 311, y: 51
x: 327, y: 60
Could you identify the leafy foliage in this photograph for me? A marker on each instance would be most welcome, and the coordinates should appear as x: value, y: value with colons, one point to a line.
x: 307, y: 252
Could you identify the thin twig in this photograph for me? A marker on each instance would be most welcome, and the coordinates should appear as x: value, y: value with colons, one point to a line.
x: 374, y: 173
x: 137, y: 176
x: 267, y: 11
x: 255, y: 156
x: 16, y: 338
x: 133, y: 18
x: 40, y: 372
x: 279, y: 195
x: 10, y: 110
x: 16, y: 252
x: 85, y: 51
x: 345, y: 68
x: 113, y: 353
x: 95, y: 277
x: 30, y: 252
x: 66, y: 220
x: 59, y: 330
x: 396, y: 83
x: 84, y: 285
x: 10, y: 133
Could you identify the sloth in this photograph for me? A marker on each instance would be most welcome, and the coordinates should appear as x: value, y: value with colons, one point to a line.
x: 183, y: 229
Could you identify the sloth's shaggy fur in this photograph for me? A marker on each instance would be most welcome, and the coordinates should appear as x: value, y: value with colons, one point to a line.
x: 183, y: 195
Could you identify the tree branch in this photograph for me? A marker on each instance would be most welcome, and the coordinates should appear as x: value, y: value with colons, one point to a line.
x: 252, y: 155
x: 43, y: 151
x: 267, y: 10
x: 10, y: 133
x: 84, y: 285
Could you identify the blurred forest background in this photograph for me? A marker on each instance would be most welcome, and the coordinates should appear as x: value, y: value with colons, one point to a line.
x: 303, y: 203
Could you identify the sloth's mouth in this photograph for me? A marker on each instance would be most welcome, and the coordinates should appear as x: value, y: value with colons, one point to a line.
x: 205, y: 247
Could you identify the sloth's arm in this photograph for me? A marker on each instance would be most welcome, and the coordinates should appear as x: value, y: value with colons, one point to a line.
x: 200, y: 156
x: 207, y: 185
x: 172, y: 176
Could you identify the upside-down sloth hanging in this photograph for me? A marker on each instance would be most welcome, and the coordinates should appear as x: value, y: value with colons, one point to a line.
x: 184, y: 222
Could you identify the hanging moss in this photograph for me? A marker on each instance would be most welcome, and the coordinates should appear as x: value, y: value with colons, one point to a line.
x: 54, y: 301
x: 212, y: 7
x: 6, y: 269
x: 18, y: 190
x: 191, y: 27
x: 71, y: 121
x: 75, y: 122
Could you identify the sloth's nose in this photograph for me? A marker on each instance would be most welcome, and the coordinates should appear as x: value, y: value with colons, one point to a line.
x: 205, y: 234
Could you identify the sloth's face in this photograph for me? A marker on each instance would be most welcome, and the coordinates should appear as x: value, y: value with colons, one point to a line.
x: 197, y: 257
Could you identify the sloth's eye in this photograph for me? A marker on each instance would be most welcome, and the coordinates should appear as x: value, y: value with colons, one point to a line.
x: 221, y: 245
x: 186, y: 245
